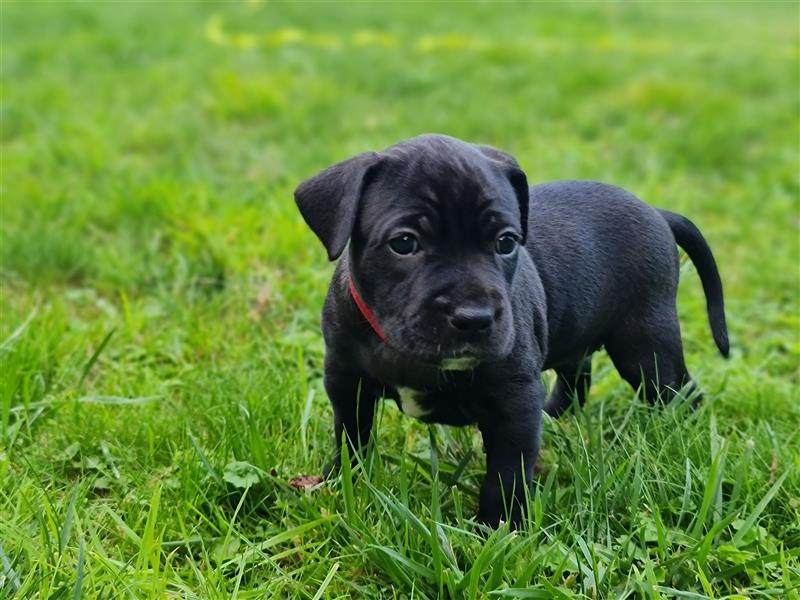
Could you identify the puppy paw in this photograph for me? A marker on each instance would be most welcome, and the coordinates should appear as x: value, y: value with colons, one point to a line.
x: 516, y: 519
x: 332, y: 468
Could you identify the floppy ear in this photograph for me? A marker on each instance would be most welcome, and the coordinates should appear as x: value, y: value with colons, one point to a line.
x: 516, y: 176
x: 329, y: 200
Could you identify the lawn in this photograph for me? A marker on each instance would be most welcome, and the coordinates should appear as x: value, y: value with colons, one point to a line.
x: 160, y: 345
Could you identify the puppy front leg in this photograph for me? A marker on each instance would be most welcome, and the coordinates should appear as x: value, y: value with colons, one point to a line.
x: 353, y: 399
x: 511, y: 441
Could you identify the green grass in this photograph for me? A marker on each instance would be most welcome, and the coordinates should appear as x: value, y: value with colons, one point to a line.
x: 161, y: 352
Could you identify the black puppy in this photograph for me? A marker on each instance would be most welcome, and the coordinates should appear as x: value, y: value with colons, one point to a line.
x: 461, y: 284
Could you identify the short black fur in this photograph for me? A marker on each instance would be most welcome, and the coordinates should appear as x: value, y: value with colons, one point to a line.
x: 469, y: 328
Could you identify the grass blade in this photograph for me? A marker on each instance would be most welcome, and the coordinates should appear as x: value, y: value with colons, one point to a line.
x: 17, y: 333
x: 326, y: 582
x: 8, y: 570
x: 412, y: 565
x: 202, y: 456
x: 150, y: 551
x: 76, y: 593
x: 751, y: 519
x: 304, y: 421
x: 347, y: 483
x: 66, y: 528
x: 117, y: 400
x: 93, y: 359
x: 711, y: 489
x: 289, y: 534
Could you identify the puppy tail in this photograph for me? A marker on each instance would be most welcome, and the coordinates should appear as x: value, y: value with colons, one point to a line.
x: 688, y: 237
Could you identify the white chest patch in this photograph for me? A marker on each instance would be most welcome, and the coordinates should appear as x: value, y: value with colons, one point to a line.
x: 409, y: 403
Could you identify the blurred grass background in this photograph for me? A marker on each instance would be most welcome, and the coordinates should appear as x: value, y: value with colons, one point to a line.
x: 149, y: 155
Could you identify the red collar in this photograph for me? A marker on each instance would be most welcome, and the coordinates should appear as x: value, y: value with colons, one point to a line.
x: 365, y: 311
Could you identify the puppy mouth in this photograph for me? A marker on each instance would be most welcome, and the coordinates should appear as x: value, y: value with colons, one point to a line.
x: 463, y: 356
x: 460, y: 363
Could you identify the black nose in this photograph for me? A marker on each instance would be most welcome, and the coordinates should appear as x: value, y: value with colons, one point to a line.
x: 472, y: 318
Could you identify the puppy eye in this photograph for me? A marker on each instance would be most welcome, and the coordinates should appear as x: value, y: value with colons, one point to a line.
x: 404, y: 244
x: 506, y: 244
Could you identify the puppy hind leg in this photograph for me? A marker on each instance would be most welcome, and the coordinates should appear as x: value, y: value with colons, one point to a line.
x: 572, y: 382
x: 649, y: 355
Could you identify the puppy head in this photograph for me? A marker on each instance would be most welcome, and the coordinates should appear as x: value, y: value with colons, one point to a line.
x: 435, y: 228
